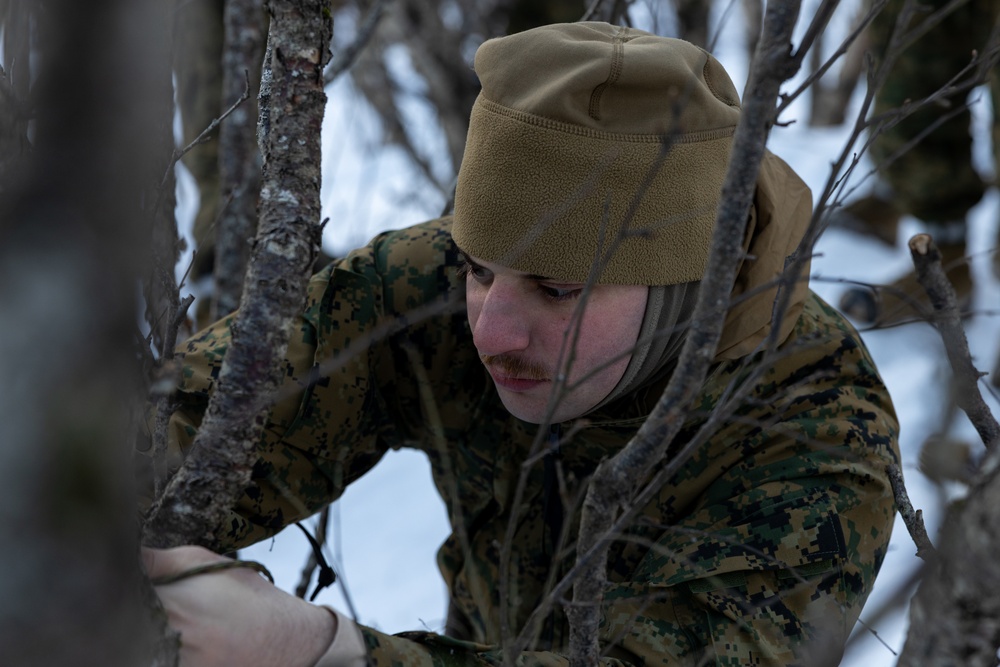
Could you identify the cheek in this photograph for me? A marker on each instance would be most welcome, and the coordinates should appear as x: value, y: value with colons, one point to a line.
x: 473, y: 302
x: 610, y: 335
x: 613, y: 327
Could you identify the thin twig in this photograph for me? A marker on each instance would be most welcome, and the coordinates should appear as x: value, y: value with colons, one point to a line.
x: 206, y: 133
x: 432, y: 418
x: 162, y: 390
x: 895, y: 603
x: 845, y: 45
x: 178, y: 320
x: 316, y: 541
x: 816, y: 28
x: 947, y: 320
x: 592, y: 10
x: 913, y: 519
x: 343, y: 60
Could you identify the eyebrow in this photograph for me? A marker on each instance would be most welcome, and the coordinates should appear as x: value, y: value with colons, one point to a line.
x: 528, y: 276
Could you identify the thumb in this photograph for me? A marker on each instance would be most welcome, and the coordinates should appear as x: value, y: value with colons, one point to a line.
x: 163, y: 562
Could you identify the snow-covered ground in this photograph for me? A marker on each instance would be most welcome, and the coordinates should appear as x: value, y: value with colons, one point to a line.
x: 388, y: 526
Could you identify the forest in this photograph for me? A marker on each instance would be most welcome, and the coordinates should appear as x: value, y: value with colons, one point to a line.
x: 165, y: 164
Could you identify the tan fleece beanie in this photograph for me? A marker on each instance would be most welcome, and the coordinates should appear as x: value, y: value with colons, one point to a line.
x: 594, y: 145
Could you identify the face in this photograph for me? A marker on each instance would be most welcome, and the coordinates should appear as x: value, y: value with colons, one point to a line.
x: 521, y: 322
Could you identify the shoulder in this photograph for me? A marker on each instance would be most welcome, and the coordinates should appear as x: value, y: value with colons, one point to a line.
x: 425, y: 244
x: 824, y: 340
x: 399, y: 268
x: 821, y: 383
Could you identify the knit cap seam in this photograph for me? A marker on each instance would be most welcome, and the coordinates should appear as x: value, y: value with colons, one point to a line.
x: 569, y: 128
x: 708, y: 82
x: 617, y: 64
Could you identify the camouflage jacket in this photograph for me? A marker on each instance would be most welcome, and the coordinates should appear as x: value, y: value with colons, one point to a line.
x: 760, y: 549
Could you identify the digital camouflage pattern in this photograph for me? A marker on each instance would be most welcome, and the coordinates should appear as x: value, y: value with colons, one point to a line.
x: 935, y: 180
x: 760, y: 550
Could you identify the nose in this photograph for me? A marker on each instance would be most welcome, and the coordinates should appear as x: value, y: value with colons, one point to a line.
x: 498, y: 318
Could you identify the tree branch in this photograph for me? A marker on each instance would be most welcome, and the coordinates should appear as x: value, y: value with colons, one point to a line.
x: 217, y: 470
x: 955, y: 614
x: 239, y: 158
x: 343, y: 60
x: 913, y: 519
x: 614, y: 479
x: 947, y: 319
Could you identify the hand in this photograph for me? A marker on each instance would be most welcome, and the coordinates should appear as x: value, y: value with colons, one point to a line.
x: 235, y: 617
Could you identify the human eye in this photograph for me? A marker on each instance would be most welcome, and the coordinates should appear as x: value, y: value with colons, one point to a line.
x: 469, y: 268
x: 560, y: 292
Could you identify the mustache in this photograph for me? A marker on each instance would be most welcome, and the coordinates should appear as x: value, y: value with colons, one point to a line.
x: 515, y: 367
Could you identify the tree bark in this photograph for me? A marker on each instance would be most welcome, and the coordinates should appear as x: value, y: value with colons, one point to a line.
x: 955, y: 614
x: 239, y: 158
x: 217, y: 470
x: 160, y: 283
x: 948, y: 321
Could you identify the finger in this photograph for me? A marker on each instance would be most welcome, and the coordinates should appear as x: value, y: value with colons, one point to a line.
x: 164, y: 562
x: 150, y: 559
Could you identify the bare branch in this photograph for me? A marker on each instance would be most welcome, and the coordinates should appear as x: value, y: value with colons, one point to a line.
x: 927, y: 261
x: 613, y: 480
x: 606, y: 10
x: 853, y: 47
x: 343, y: 60
x: 312, y: 561
x: 206, y: 134
x: 815, y: 29
x: 161, y: 392
x: 914, y: 520
x: 218, y: 468
x: 889, y: 606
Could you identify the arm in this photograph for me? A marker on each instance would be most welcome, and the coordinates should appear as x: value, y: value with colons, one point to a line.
x: 341, y: 404
x: 781, y: 530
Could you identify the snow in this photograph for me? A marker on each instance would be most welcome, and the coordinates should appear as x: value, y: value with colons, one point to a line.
x: 389, y: 524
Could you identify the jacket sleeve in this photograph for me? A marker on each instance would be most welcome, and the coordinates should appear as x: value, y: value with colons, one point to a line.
x: 771, y: 560
x: 334, y: 417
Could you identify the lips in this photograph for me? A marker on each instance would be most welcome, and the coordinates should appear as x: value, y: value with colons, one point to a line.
x: 515, y: 384
x: 514, y: 373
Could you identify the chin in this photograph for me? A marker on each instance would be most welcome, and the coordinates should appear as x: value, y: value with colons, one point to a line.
x: 533, y: 411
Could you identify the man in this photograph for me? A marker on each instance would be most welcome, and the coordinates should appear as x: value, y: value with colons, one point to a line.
x: 577, y: 243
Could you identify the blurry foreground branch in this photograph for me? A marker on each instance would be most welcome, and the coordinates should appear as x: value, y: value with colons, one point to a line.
x: 74, y: 239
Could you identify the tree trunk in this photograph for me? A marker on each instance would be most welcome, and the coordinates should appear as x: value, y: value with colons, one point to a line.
x: 955, y: 614
x: 73, y: 242
x: 239, y: 159
x: 217, y: 470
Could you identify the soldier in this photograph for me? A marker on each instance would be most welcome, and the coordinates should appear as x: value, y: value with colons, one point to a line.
x: 571, y: 224
x: 934, y: 179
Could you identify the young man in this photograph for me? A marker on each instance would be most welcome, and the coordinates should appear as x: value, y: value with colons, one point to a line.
x: 582, y: 223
